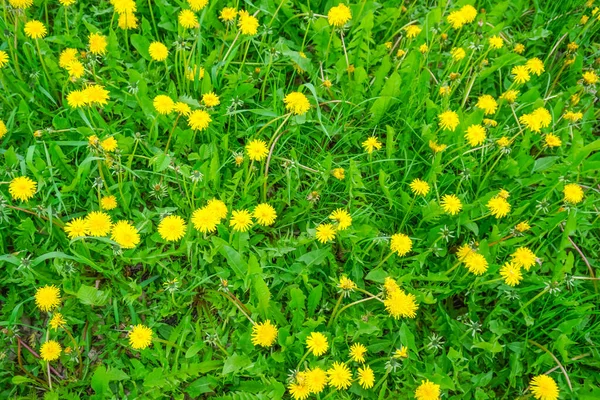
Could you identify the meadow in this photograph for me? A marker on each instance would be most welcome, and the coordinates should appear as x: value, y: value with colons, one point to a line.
x: 293, y: 199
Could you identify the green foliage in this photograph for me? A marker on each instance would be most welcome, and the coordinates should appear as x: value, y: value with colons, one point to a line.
x: 473, y: 335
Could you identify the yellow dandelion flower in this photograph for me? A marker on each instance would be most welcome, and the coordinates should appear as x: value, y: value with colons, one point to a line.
x: 67, y: 56
x: 338, y: 173
x: 241, y: 220
x: 264, y: 214
x: 182, y: 108
x: 511, y: 273
x: 264, y: 334
x: 412, y: 31
x: 247, y: 23
x: 97, y: 44
x: 435, y: 147
x: 357, y: 352
x: 140, y: 337
x: 34, y: 29
x: 521, y: 74
x: 188, y: 19
x: 197, y: 5
x: 205, y: 220
x: 172, y: 228
x: 400, y: 353
x: 128, y: 20
x: 390, y: 286
x: 57, y: 321
x: 444, y: 90
x: 487, y: 103
x: 21, y: 4
x: 77, y: 98
x: 22, y: 188
x: 297, y: 103
x: 496, y: 42
x: 96, y: 94
x: 456, y: 19
x: 419, y: 187
x: 75, y: 69
x: 524, y: 257
x: 325, y: 233
x: 194, y: 73
x: 400, y: 304
x: 158, y: 51
x: 76, y: 228
x: 476, y: 263
x: 339, y: 15
x: 210, y: 99
x: 458, y: 53
x: 47, y: 298
x: 535, y: 66
x: 427, y: 391
x: 124, y: 6
x: 339, y: 376
x: 451, y: 204
x: 346, y: 284
x: 3, y: 129
x: 108, y: 202
x: 490, y: 122
x: 366, y: 377
x: 3, y: 59
x: 125, y: 234
x: 316, y: 379
x: 503, y: 142
x: 475, y: 135
x: 551, y: 140
x: 544, y: 387
x: 109, y: 144
x: 573, y: 193
x: 299, y: 389
x: 463, y: 252
x: 199, y: 120
x: 257, y: 150
x: 317, y: 343
x: 227, y: 14
x: 371, y: 144
x: 573, y: 116
x: 523, y: 226
x: 98, y: 224
x: 510, y: 95
x: 448, y: 120
x: 342, y: 217
x: 400, y: 244
x: 469, y: 13
x: 217, y: 207
x: 50, y: 351
x: 498, y: 206
x: 163, y: 104
x: 590, y: 77
x: 519, y: 48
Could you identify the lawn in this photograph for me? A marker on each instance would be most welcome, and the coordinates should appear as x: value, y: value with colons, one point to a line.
x: 299, y: 200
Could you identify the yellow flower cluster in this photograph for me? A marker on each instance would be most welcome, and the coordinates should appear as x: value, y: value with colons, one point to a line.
x: 464, y: 15
x: 397, y: 302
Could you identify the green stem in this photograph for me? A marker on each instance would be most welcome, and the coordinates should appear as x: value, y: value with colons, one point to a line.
x: 540, y: 294
x: 302, y: 359
x: 337, y: 305
x: 384, y: 260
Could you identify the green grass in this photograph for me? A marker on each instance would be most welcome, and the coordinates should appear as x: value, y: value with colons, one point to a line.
x: 475, y: 336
